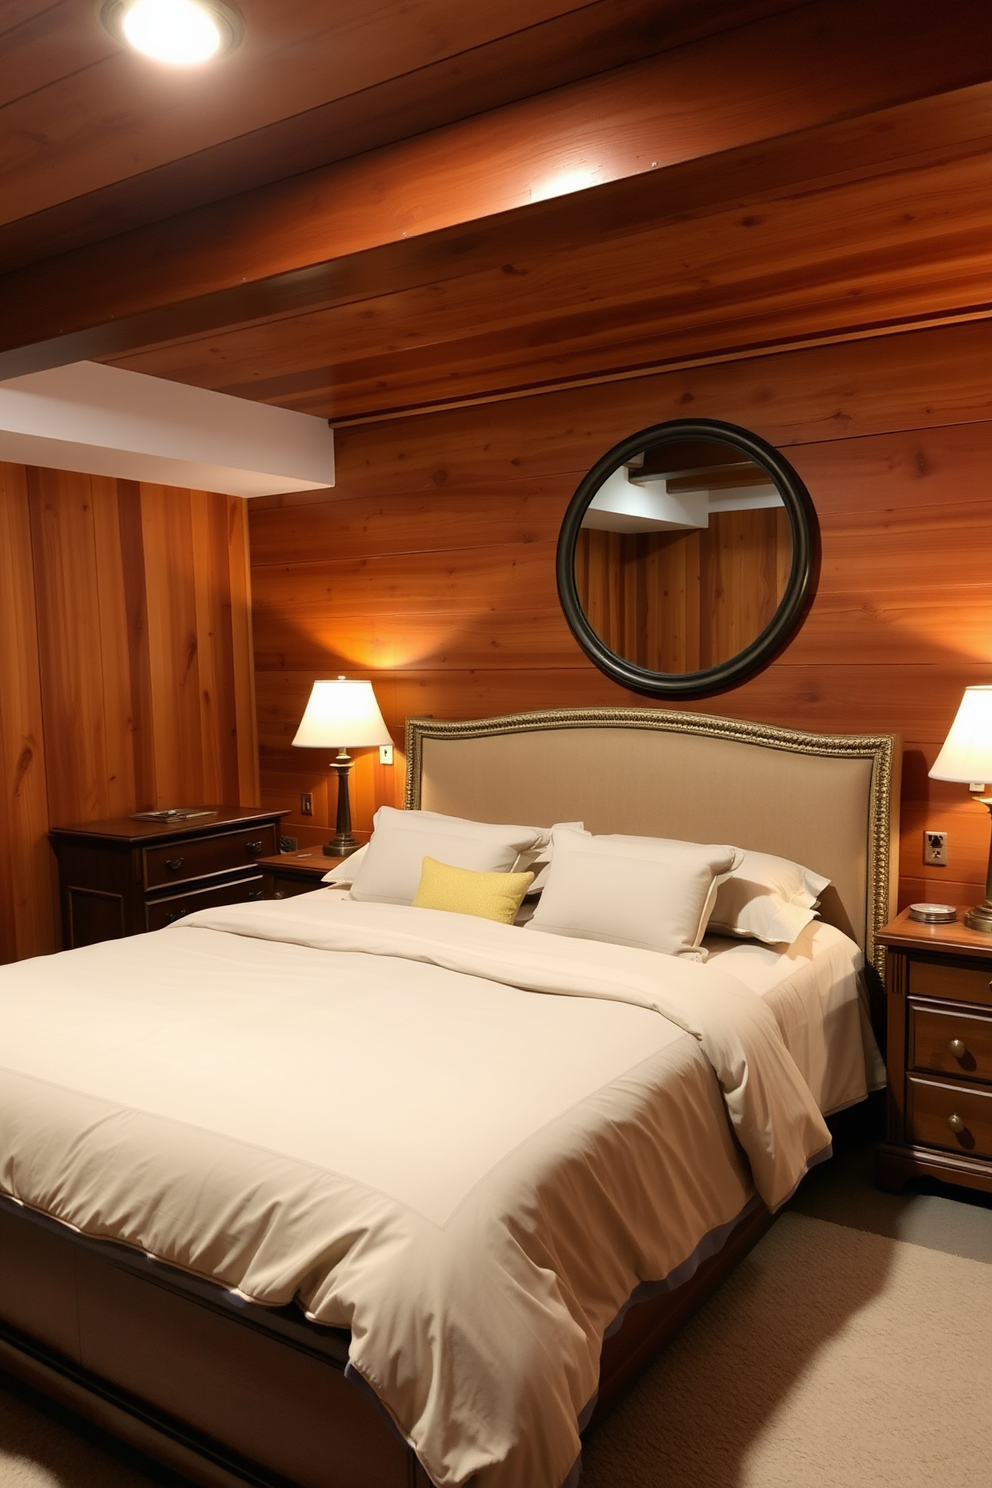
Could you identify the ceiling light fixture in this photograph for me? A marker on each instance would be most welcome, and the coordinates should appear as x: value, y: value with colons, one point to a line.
x: 181, y: 32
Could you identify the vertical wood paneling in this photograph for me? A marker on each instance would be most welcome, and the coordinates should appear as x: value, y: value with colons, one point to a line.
x: 70, y: 643
x: 242, y: 653
x: 125, y: 667
x: 26, y: 906
x: 451, y: 611
x: 683, y: 601
x: 114, y: 655
x: 173, y: 643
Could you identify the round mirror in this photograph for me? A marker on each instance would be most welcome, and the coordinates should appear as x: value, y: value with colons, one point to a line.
x: 687, y: 558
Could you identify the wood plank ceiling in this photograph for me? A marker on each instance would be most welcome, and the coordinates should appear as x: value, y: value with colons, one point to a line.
x: 385, y: 206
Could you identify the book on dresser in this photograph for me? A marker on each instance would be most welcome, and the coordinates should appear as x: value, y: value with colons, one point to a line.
x: 129, y: 875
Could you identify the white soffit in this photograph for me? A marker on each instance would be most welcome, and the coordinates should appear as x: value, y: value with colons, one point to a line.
x: 105, y: 421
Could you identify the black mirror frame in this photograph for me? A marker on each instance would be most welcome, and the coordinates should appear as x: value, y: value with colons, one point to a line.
x: 799, y: 589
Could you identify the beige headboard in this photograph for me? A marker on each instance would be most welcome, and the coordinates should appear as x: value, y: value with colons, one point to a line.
x: 829, y: 801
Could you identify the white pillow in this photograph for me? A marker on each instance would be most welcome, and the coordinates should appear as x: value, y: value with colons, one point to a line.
x: 540, y: 862
x: 651, y: 892
x: 767, y: 898
x: 391, y: 866
x: 346, y: 872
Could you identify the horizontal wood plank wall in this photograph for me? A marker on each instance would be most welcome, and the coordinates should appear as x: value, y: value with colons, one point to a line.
x: 125, y: 675
x: 430, y: 568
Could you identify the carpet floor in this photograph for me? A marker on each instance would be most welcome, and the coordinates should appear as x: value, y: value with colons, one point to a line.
x: 850, y: 1349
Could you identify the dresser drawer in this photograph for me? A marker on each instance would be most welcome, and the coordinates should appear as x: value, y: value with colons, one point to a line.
x: 930, y: 1108
x: 952, y: 981
x: 164, y: 911
x: 950, y: 1042
x: 199, y: 858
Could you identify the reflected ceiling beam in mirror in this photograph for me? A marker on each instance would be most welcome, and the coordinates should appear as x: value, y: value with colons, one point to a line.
x: 620, y: 505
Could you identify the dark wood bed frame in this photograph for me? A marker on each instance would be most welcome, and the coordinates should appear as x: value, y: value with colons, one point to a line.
x: 229, y: 1393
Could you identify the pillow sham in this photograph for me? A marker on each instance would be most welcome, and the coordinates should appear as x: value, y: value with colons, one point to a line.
x: 345, y: 873
x: 767, y: 898
x: 651, y: 892
x: 390, y: 870
x: 539, y: 860
x: 488, y: 896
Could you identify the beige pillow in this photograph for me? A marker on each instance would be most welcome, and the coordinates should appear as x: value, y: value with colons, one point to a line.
x: 390, y: 870
x: 651, y: 892
x: 767, y: 898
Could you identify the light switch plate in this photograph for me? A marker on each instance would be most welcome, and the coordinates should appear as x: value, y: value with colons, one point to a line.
x: 385, y: 754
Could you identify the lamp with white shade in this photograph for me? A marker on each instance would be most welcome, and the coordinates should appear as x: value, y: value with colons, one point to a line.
x: 966, y: 757
x: 342, y: 715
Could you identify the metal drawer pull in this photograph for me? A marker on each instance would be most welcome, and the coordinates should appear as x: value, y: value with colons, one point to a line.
x: 958, y: 1048
x: 174, y: 864
x: 956, y: 1123
x: 254, y: 847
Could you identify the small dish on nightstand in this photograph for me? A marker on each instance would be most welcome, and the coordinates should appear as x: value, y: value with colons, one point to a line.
x: 933, y: 914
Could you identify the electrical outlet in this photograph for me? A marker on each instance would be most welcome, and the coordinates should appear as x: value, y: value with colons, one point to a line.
x: 306, y: 803
x: 385, y: 754
x: 935, y: 849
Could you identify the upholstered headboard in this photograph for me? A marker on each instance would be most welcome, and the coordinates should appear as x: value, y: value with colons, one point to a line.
x: 829, y: 801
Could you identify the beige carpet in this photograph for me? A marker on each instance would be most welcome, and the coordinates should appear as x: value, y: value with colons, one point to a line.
x: 851, y: 1349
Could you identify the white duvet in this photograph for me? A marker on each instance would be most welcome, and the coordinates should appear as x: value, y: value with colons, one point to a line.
x: 465, y: 1142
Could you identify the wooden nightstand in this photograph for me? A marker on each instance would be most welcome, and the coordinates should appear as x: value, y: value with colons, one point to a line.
x: 939, y: 990
x: 123, y: 876
x: 291, y: 873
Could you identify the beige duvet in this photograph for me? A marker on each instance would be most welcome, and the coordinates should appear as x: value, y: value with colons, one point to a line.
x: 466, y: 1142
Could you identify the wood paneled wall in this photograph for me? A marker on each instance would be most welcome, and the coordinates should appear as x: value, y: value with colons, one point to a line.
x: 430, y: 568
x: 125, y: 667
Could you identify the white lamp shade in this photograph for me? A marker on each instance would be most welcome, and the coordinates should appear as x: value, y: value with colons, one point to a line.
x: 967, y: 751
x: 343, y: 715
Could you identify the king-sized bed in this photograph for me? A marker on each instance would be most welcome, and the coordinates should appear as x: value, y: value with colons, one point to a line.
x: 345, y: 1190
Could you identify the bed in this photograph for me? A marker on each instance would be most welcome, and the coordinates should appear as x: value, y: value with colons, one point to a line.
x: 193, y: 1343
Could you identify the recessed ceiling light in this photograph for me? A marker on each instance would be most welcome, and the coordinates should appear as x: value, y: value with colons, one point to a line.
x: 176, y: 31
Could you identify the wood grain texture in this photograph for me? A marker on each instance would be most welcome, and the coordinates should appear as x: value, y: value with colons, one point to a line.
x: 430, y: 569
x: 516, y: 64
x: 27, y: 905
x: 125, y: 676
x: 807, y: 264
x: 310, y: 241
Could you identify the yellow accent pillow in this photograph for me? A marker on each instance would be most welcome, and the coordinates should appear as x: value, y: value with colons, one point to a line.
x: 490, y: 896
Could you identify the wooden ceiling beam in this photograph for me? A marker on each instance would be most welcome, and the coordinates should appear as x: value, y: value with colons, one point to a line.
x: 547, y: 54
x: 458, y: 199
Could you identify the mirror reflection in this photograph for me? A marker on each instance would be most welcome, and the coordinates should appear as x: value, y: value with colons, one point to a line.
x: 683, y: 556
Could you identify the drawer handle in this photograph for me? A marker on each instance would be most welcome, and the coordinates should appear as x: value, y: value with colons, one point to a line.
x: 254, y: 848
x: 176, y: 914
x: 174, y: 864
x: 956, y: 1123
x: 958, y: 1048
x: 255, y: 894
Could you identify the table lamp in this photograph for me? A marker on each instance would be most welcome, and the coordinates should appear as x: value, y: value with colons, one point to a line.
x: 343, y: 715
x: 967, y: 757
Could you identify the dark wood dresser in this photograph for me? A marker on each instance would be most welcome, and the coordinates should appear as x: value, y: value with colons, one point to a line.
x: 295, y: 873
x: 939, y: 992
x: 123, y: 877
